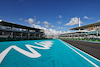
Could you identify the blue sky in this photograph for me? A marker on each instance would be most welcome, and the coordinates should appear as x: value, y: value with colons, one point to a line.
x: 55, y: 16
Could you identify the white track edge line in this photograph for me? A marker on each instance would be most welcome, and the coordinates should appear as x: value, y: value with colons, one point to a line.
x: 81, y: 55
x: 86, y: 53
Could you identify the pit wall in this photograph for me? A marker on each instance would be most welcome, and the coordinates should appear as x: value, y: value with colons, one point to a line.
x: 18, y: 39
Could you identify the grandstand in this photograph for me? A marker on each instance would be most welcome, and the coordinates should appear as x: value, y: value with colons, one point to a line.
x: 15, y: 31
x: 75, y: 35
x: 90, y: 31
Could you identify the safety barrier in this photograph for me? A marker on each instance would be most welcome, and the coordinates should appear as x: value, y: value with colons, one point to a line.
x: 81, y: 39
x: 18, y: 39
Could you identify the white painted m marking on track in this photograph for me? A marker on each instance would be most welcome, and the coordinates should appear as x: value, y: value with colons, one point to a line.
x: 80, y: 54
x: 32, y: 54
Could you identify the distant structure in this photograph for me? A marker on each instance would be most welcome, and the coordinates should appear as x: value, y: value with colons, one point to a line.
x: 52, y: 36
x: 79, y: 23
x: 87, y: 31
x: 12, y: 30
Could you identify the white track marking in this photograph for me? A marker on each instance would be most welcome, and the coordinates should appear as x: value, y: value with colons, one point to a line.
x: 4, y: 53
x: 32, y: 54
x: 45, y: 44
x: 80, y: 55
x: 86, y: 53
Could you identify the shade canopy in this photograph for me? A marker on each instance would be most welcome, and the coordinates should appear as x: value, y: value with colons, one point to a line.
x: 4, y: 23
x: 86, y: 26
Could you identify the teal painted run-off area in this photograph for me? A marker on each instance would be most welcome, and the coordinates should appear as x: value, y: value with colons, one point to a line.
x: 44, y: 53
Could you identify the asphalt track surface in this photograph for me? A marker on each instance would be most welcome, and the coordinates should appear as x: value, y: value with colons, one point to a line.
x: 88, y: 47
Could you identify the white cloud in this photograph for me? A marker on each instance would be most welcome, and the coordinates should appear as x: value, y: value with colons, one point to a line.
x: 85, y: 17
x: 45, y: 22
x: 0, y: 20
x: 48, y: 31
x: 38, y: 22
x: 68, y: 32
x: 59, y: 22
x: 64, y: 32
x: 52, y: 26
x: 98, y: 20
x: 73, y: 21
x: 61, y: 27
x: 60, y: 16
x: 58, y: 27
x: 47, y: 26
x: 30, y: 21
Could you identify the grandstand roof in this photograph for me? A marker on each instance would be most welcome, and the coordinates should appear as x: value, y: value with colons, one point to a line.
x: 4, y: 23
x: 86, y: 26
